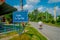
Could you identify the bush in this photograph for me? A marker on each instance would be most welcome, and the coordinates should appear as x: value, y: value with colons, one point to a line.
x: 53, y: 22
x: 47, y: 21
x: 58, y: 21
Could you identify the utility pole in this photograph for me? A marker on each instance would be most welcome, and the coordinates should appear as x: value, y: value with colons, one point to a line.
x: 21, y: 4
x: 54, y: 13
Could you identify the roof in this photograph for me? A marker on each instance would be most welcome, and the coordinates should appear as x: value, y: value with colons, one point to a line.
x: 6, y: 9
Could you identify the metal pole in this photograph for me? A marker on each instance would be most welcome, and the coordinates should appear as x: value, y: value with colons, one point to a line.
x: 54, y: 13
x: 21, y: 29
x: 21, y: 4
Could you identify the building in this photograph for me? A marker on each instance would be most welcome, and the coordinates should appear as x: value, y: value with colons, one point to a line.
x: 5, y: 9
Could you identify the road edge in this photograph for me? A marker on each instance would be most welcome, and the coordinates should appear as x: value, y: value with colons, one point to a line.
x: 44, y: 35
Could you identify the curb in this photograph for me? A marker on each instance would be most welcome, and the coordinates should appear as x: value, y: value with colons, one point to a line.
x: 44, y: 35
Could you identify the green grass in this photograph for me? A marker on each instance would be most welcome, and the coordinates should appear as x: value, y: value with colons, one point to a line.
x: 55, y: 25
x: 8, y: 34
x: 31, y: 34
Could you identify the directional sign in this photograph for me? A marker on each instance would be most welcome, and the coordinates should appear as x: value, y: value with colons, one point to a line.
x: 20, y: 16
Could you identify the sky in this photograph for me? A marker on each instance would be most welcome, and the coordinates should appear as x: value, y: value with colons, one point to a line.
x: 41, y: 5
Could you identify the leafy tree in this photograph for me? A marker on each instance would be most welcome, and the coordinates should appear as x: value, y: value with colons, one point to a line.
x: 40, y: 16
x: 58, y: 21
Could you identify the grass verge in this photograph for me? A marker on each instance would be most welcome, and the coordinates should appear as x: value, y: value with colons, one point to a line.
x: 55, y: 25
x: 8, y: 34
x: 31, y: 34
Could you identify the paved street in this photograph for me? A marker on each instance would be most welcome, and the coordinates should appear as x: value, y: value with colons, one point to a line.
x: 53, y: 33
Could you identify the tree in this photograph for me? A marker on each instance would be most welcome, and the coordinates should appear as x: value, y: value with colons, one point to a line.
x: 40, y: 16
x: 58, y: 19
x: 8, y: 17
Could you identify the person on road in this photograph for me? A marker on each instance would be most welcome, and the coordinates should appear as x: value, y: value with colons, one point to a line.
x: 40, y: 24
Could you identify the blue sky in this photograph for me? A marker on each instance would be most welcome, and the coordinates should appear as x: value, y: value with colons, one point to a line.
x: 41, y: 5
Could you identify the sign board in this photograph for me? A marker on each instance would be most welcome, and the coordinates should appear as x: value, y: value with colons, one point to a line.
x: 20, y: 16
x: 2, y: 1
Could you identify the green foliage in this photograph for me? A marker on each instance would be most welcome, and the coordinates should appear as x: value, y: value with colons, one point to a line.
x: 43, y: 16
x: 47, y: 21
x: 58, y: 19
x: 31, y: 34
x: 8, y: 17
x: 53, y: 22
x: 40, y: 16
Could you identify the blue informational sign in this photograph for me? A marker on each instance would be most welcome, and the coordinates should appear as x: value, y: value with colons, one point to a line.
x: 20, y: 16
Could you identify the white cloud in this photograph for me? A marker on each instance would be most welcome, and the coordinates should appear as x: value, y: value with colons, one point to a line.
x: 17, y: 7
x: 53, y: 1
x: 28, y: 7
x: 50, y: 10
x: 25, y: 7
x: 41, y: 8
x: 58, y: 10
x: 32, y: 1
x: 31, y: 4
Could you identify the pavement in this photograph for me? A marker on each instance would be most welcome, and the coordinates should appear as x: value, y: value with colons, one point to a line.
x: 52, y: 33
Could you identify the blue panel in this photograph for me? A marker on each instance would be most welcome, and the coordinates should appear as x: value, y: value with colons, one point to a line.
x: 20, y: 16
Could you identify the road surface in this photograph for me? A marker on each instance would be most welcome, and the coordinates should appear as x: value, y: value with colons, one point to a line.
x: 52, y: 33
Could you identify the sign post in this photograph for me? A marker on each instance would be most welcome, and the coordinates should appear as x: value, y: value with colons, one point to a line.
x: 20, y: 17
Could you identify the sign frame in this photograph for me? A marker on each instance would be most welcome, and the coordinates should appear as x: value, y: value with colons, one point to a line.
x: 21, y: 14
